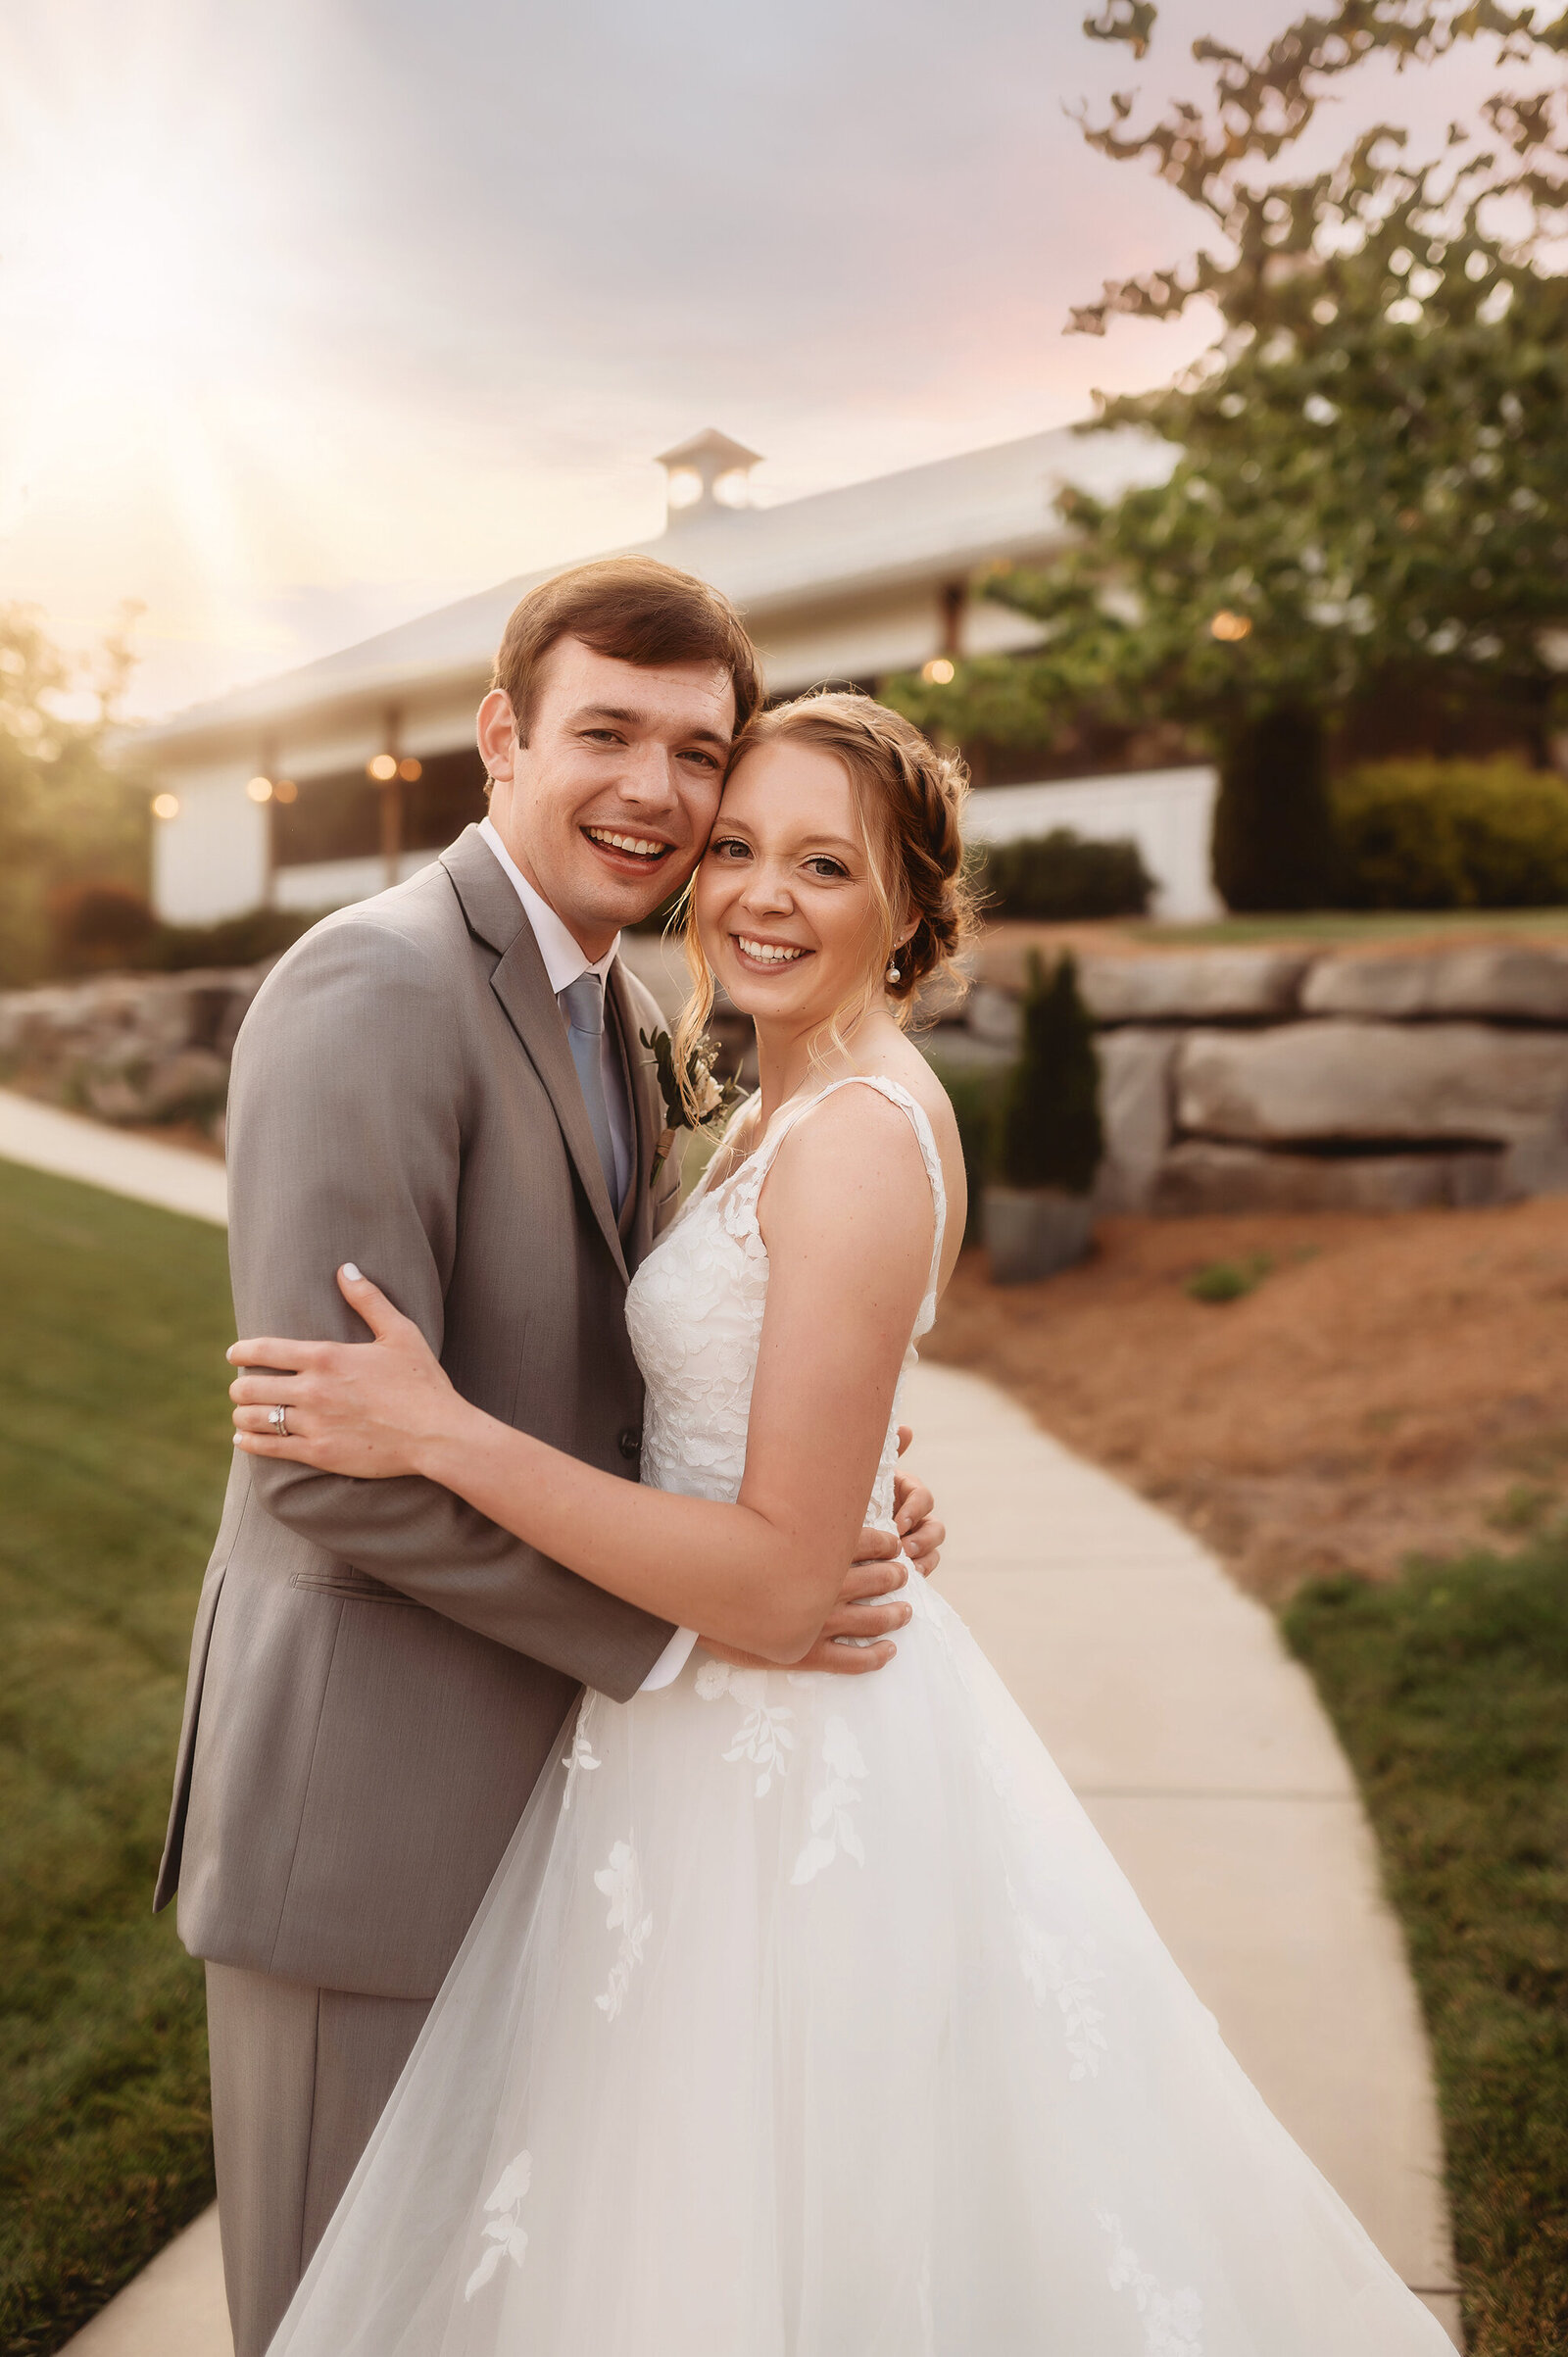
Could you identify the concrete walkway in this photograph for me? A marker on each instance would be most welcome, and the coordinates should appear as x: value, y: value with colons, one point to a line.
x: 77, y: 1149
x: 1198, y: 1748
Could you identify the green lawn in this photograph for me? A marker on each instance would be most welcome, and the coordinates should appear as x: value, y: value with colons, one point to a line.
x: 1449, y: 1689
x: 114, y: 1449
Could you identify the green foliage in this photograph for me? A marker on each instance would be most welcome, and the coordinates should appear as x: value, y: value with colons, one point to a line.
x: 1429, y: 834
x: 1367, y: 476
x: 108, y: 928
x: 114, y: 1451
x: 65, y: 815
x: 1229, y: 1280
x: 1048, y: 1131
x: 1449, y: 1689
x: 1273, y: 841
x: 974, y: 1091
x: 1062, y: 876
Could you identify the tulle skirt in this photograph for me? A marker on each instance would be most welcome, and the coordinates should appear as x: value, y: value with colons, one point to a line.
x: 810, y: 2017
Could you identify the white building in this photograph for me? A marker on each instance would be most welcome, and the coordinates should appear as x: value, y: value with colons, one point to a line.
x: 326, y: 783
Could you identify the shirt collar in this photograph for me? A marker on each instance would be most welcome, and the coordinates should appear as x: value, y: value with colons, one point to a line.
x: 565, y: 956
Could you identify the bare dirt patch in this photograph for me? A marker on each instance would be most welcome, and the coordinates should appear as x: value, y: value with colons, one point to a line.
x: 1392, y: 1386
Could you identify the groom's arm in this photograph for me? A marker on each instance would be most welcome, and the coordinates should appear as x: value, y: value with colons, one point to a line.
x: 344, y: 1142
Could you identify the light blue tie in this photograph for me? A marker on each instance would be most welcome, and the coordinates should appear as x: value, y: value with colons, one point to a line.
x: 584, y: 1004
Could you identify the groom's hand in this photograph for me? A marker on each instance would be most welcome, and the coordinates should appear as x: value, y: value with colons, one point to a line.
x: 914, y: 1512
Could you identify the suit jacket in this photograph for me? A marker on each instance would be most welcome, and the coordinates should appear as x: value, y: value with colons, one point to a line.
x: 379, y: 1675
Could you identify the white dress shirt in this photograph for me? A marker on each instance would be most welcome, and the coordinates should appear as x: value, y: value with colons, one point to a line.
x: 564, y: 961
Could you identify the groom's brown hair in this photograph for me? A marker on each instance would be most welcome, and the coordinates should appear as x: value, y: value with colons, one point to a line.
x: 636, y: 610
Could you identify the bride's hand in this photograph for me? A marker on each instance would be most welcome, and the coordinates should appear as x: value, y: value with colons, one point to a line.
x: 365, y: 1408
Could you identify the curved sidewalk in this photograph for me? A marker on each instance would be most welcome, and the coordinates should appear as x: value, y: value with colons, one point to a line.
x: 1198, y: 1748
x: 1204, y: 1758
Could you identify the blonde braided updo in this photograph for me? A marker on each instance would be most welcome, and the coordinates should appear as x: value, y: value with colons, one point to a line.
x: 909, y: 796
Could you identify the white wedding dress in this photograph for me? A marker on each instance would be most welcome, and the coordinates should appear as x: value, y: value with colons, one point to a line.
x: 810, y: 2017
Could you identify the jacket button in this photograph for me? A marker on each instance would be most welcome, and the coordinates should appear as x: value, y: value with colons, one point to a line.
x: 632, y: 1442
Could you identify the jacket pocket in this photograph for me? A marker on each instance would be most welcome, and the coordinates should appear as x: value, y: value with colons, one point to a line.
x: 342, y: 1579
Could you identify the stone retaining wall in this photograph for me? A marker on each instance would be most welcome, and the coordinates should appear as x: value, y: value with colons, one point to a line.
x: 1231, y: 1079
x: 1282, y: 1079
x: 130, y: 1048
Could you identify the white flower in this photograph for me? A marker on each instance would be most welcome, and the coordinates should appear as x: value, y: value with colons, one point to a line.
x: 706, y: 1091
x: 504, y: 2236
x: 622, y: 1883
x: 580, y: 1756
x: 832, y: 1827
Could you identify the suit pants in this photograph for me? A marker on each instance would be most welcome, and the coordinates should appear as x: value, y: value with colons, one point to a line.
x: 300, y: 2078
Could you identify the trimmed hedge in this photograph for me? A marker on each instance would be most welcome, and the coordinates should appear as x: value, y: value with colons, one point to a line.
x: 106, y: 928
x: 1455, y: 834
x: 1062, y: 876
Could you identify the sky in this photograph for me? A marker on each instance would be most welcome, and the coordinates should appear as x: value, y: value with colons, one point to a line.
x: 318, y: 314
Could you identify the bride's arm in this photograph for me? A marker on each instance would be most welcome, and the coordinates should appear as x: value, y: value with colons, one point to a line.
x: 847, y: 1219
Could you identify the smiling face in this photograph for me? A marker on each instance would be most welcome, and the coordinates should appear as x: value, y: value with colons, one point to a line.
x: 785, y: 900
x: 610, y: 800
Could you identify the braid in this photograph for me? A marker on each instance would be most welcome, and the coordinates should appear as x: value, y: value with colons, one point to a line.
x: 910, y: 796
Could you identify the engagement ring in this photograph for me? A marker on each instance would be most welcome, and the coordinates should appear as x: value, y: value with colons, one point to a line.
x: 277, y: 1418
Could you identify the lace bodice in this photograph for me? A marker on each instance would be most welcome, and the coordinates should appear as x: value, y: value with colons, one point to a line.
x: 694, y: 1313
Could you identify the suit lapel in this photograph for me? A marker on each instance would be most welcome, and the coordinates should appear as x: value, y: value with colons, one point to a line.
x: 636, y: 1213
x: 519, y: 981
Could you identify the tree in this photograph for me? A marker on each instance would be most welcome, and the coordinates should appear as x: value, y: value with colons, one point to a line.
x: 66, y: 816
x: 1371, y: 472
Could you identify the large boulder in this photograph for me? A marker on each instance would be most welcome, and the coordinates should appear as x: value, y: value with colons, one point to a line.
x: 1372, y: 1080
x: 1195, y: 986
x: 1510, y: 983
x: 1199, y: 1176
x: 995, y: 1016
x: 1135, y: 1106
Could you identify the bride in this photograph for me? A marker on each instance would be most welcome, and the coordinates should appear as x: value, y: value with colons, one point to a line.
x: 805, y: 2016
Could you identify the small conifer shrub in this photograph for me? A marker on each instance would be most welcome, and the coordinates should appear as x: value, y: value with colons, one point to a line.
x: 1048, y: 1131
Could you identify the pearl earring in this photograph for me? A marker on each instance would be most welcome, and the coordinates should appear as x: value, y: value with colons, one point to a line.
x: 893, y: 971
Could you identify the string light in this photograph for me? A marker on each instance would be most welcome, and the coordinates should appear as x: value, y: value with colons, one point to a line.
x: 1230, y: 627
x: 383, y: 768
x: 166, y: 806
x: 285, y: 790
x: 938, y: 672
x: 411, y: 770
x: 260, y: 789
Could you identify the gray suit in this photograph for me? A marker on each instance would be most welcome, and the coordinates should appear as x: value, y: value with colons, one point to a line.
x: 378, y: 1675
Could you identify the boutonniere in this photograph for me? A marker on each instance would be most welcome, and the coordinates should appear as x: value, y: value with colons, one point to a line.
x: 699, y: 1105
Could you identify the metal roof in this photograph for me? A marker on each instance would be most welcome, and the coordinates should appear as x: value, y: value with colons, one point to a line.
x: 945, y: 518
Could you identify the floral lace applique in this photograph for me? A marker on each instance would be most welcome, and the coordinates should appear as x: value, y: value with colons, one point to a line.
x: 832, y: 1827
x: 505, y: 2236
x: 1056, y: 1966
x: 582, y: 1755
x: 765, y: 1737
x: 1174, y: 2321
x: 622, y: 1883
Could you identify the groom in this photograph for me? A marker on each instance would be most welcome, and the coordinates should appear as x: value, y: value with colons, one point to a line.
x: 444, y: 1085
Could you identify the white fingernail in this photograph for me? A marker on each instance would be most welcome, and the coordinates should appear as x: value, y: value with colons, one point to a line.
x: 352, y: 1273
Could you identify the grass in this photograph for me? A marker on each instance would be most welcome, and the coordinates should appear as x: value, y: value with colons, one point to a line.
x: 1229, y: 1280
x: 113, y: 1456
x: 1354, y: 925
x: 1450, y: 1688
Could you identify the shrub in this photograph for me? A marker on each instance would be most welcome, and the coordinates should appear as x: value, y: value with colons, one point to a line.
x: 101, y: 928
x: 973, y: 1092
x: 1048, y: 1131
x: 1062, y: 876
x: 104, y: 928
x: 248, y: 940
x: 1456, y: 834
x: 1273, y: 844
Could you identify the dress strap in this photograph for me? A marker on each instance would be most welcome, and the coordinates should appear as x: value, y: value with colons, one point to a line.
x: 757, y: 1167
